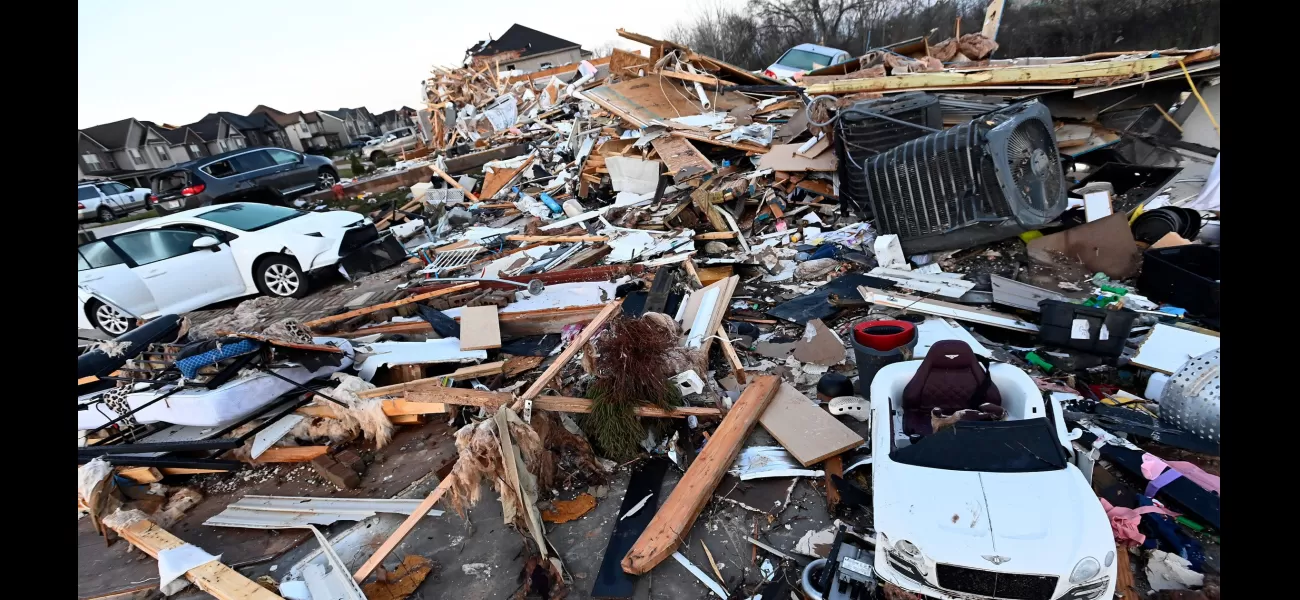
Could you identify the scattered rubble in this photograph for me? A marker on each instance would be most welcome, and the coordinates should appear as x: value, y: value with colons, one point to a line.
x: 585, y: 236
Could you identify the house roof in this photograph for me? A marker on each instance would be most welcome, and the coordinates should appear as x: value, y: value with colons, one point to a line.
x: 174, y: 136
x: 282, y: 118
x: 241, y: 122
x: 110, y: 135
x: 529, y: 41
x: 311, y: 117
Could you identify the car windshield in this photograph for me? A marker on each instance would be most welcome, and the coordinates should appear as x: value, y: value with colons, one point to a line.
x: 992, y: 446
x: 250, y: 217
x: 804, y: 60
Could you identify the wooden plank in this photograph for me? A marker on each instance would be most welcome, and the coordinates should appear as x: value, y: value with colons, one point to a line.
x: 378, y: 307
x: 456, y: 184
x: 675, y: 517
x: 574, y: 347
x: 720, y: 310
x: 992, y: 19
x: 700, y: 137
x: 683, y: 159
x: 396, y: 538
x: 807, y: 432
x: 500, y: 178
x: 560, y: 70
x: 291, y: 454
x: 407, y: 420
x: 715, y: 235
x: 472, y: 371
x: 479, y: 329
x: 523, y: 323
x: 494, y: 400
x: 557, y: 239
x: 649, y: 99
x: 696, y: 77
x: 215, y: 578
x: 737, y: 367
x: 1006, y: 75
x: 784, y: 157
x: 142, y: 474
x: 1124, y: 574
x: 710, y: 275
x: 399, y: 408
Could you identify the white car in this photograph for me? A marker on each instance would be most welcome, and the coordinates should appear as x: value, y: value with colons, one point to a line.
x: 392, y: 143
x: 988, y: 509
x: 804, y: 58
x: 190, y: 259
x: 104, y: 201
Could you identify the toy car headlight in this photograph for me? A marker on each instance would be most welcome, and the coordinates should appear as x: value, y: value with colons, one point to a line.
x: 1085, y: 570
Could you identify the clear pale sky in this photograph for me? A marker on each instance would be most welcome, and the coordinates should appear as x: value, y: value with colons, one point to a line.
x: 175, y: 61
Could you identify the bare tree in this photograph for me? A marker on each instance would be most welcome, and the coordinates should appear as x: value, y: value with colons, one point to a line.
x: 604, y: 49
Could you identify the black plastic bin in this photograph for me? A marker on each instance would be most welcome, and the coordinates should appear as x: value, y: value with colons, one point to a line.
x: 1184, y: 276
x: 1057, y: 327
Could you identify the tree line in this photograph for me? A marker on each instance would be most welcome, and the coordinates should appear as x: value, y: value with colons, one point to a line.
x: 756, y: 34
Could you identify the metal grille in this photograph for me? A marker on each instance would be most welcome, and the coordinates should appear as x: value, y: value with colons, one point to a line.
x: 358, y: 237
x: 1011, y: 586
x: 862, y: 137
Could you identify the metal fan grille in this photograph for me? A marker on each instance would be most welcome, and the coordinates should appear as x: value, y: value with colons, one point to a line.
x: 1031, y: 166
x: 1190, y: 400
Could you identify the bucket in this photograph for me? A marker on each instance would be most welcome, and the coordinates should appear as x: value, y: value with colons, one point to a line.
x: 880, y: 343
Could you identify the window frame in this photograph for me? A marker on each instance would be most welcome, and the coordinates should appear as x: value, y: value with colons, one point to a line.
x: 132, y: 262
x: 91, y: 160
x: 161, y: 151
x: 136, y: 155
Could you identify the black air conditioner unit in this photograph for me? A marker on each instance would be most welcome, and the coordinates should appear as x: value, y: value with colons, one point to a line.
x: 992, y: 178
x: 860, y: 136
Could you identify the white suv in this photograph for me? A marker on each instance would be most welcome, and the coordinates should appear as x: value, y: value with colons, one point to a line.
x: 394, y: 142
x: 104, y: 201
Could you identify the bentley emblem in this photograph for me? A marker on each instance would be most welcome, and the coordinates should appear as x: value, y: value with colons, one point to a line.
x: 995, y: 559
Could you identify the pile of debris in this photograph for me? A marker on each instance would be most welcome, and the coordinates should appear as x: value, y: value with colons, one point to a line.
x: 626, y: 265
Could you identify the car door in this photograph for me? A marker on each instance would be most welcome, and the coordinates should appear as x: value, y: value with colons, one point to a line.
x: 256, y: 169
x: 102, y: 269
x: 113, y: 197
x: 181, y: 277
x: 126, y: 196
x: 298, y: 176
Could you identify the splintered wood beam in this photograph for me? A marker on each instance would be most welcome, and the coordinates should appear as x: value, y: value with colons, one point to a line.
x: 494, y: 400
x: 396, y: 538
x: 214, y: 577
x: 456, y: 184
x: 142, y: 474
x: 291, y: 454
x: 1001, y: 76
x: 525, y: 400
x: 378, y: 307
x: 683, y: 75
x: 675, y: 517
x: 555, y: 239
x: 728, y: 350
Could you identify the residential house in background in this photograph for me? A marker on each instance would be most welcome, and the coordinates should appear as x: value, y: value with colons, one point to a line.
x: 396, y: 119
x: 326, y: 131
x: 258, y: 130
x: 297, y: 133
x: 184, y: 144
x: 128, y: 151
x: 219, y: 134
x: 356, y: 121
x: 524, y: 49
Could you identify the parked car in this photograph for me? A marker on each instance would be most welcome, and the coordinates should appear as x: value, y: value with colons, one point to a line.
x: 359, y: 141
x: 188, y: 260
x: 271, y: 175
x: 394, y: 142
x: 104, y: 201
x: 985, y: 508
x: 804, y: 58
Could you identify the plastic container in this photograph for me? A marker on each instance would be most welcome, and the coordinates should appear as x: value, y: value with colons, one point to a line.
x: 1184, y: 276
x: 877, y: 344
x: 1080, y: 327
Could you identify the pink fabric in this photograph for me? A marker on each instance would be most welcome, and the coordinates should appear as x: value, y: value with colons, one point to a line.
x: 1153, y: 466
x: 1124, y: 521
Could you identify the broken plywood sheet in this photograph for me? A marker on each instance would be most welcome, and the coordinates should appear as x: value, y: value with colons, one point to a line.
x: 683, y: 159
x: 1104, y: 245
x: 809, y: 433
x: 1010, y: 292
x: 1168, y: 347
x: 479, y: 328
x: 380, y: 354
x: 784, y: 157
x: 819, y: 345
x: 945, y: 309
x: 629, y: 174
x: 950, y: 285
x: 654, y: 98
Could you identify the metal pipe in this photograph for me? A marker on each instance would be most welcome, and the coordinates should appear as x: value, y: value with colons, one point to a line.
x: 534, y: 287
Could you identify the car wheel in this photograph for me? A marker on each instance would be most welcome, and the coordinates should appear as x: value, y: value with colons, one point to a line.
x: 326, y: 179
x: 376, y: 155
x: 104, y: 214
x: 280, y: 277
x: 108, y: 319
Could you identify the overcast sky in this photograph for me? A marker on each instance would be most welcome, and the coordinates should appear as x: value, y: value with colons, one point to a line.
x: 173, y: 62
